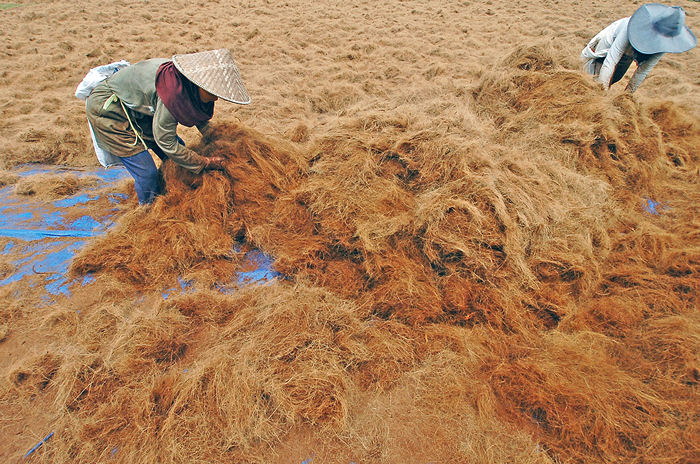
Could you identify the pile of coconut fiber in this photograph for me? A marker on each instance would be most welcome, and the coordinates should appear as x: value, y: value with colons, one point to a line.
x: 489, y: 287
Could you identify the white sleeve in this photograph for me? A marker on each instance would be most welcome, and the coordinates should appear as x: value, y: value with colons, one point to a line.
x: 617, y: 49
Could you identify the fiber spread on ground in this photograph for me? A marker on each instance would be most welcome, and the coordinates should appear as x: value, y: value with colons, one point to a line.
x: 54, y: 236
x: 498, y: 292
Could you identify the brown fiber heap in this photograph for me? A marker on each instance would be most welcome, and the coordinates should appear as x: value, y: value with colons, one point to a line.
x: 491, y: 292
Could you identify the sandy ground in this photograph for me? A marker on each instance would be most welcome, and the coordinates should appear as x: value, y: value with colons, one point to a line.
x: 309, y: 65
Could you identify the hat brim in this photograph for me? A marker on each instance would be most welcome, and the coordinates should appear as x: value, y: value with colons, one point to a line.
x: 214, y: 71
x: 644, y: 39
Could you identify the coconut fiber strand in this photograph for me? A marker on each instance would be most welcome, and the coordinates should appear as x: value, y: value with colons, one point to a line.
x: 494, y: 293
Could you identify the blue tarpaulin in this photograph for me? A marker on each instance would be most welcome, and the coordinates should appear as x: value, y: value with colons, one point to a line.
x: 43, y: 236
x: 653, y: 207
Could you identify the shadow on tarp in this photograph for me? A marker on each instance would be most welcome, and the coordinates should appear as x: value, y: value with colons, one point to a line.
x: 48, y: 235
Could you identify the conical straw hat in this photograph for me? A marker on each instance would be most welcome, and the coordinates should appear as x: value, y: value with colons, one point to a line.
x: 215, y: 72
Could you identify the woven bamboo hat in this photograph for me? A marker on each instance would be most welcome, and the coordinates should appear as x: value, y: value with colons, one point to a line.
x: 656, y: 28
x: 214, y: 71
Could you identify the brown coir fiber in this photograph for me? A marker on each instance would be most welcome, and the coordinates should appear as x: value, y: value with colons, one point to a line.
x: 506, y: 288
x: 50, y: 186
x: 277, y: 358
x: 194, y: 226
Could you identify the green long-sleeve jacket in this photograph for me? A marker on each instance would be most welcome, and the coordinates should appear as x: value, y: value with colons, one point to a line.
x: 135, y: 86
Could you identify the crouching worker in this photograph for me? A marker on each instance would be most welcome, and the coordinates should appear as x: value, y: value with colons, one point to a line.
x: 653, y: 30
x: 140, y: 106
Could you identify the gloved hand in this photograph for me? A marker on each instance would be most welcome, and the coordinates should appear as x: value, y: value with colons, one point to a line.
x: 215, y: 162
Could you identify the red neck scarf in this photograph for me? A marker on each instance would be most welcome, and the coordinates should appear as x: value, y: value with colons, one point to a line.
x: 181, y: 97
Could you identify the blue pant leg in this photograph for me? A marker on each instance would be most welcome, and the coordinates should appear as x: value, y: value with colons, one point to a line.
x: 145, y: 174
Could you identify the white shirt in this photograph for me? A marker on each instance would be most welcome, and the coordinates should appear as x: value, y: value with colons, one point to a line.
x: 612, y: 43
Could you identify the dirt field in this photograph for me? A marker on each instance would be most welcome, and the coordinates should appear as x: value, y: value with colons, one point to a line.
x: 488, y: 259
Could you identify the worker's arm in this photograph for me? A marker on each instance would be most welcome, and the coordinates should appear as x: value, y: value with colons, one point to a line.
x: 165, y: 135
x: 617, y: 49
x: 642, y: 70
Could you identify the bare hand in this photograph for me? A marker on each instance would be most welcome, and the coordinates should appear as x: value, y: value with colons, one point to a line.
x: 215, y: 162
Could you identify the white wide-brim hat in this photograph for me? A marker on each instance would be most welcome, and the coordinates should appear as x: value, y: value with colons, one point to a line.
x: 656, y: 28
x: 214, y: 71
